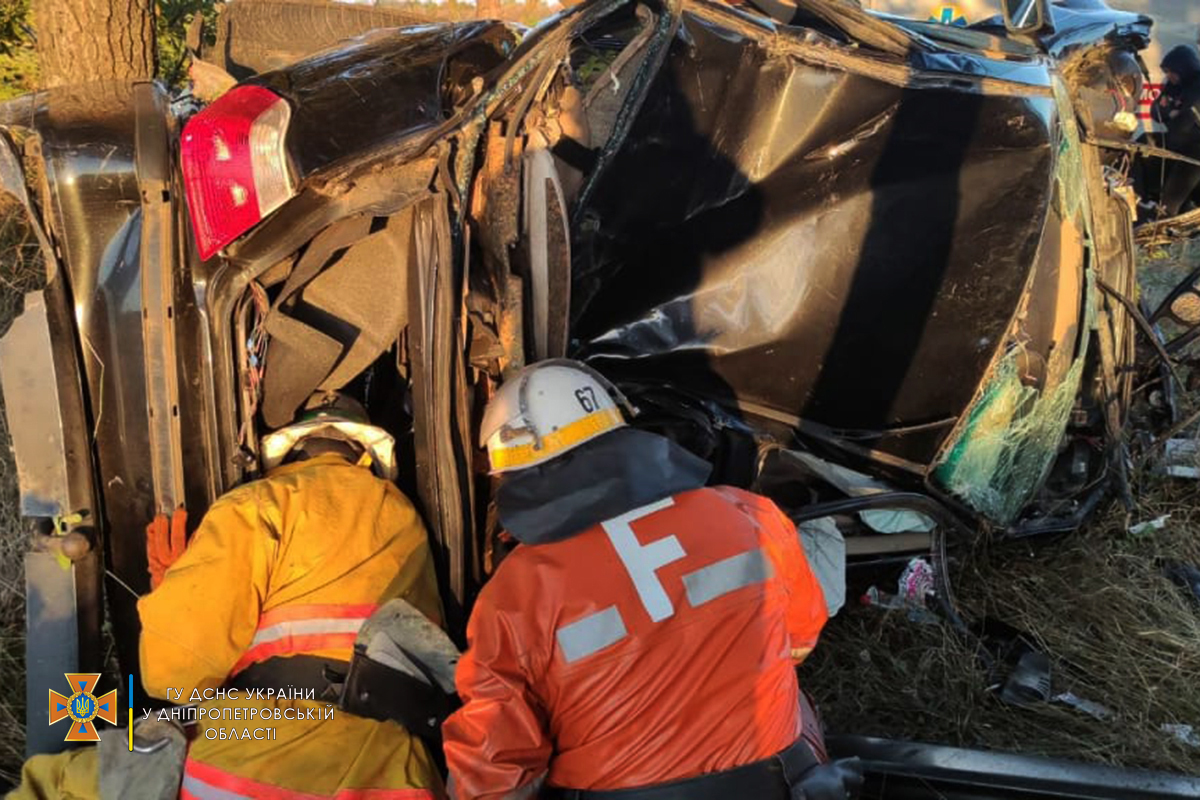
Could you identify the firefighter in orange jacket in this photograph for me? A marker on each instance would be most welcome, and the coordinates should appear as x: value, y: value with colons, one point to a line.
x: 269, y: 593
x: 644, y: 634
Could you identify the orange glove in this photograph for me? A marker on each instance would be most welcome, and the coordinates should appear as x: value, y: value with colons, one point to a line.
x: 165, y: 543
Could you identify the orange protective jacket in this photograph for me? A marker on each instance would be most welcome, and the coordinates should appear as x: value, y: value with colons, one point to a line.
x: 292, y: 565
x: 286, y: 566
x: 656, y: 646
x: 289, y: 565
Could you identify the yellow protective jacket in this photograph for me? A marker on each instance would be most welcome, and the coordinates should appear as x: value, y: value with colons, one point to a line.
x: 288, y: 565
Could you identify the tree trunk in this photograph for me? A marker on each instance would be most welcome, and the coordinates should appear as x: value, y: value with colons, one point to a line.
x: 81, y: 41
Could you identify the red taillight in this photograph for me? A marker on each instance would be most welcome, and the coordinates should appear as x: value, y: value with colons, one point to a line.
x: 235, y: 165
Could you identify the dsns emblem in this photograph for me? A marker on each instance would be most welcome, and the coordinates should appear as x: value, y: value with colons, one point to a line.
x: 82, y: 706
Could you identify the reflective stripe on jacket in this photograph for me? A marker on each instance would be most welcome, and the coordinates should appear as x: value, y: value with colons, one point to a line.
x: 206, y: 782
x: 656, y: 646
x: 296, y: 629
x: 307, y: 551
x: 290, y: 565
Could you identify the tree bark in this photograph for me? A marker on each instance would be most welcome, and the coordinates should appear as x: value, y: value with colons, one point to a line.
x: 487, y: 9
x: 82, y: 41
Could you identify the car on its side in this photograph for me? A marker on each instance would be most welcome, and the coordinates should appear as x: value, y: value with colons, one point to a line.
x: 857, y: 262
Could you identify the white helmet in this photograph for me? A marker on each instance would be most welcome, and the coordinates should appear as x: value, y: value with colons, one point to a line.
x: 545, y: 410
x: 333, y: 415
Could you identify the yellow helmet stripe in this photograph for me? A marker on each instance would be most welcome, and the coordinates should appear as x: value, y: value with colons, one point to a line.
x: 556, y: 442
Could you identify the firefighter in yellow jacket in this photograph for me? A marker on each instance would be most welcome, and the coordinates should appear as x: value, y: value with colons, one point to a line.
x: 270, y: 593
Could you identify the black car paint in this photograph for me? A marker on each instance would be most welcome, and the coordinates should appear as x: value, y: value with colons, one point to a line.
x: 95, y: 216
x: 382, y: 87
x: 39, y: 365
x: 839, y: 273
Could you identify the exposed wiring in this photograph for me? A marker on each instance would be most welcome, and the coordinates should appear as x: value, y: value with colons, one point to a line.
x: 252, y: 356
x: 256, y: 345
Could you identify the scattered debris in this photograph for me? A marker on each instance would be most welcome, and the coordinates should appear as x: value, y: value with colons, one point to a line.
x: 1186, y: 576
x: 1102, y: 713
x: 1156, y: 524
x: 1184, y: 733
x: 1181, y: 458
x: 1030, y: 682
x: 916, y: 586
x: 1096, y: 603
x: 1125, y: 122
x: 919, y: 614
x: 917, y: 582
x: 874, y: 597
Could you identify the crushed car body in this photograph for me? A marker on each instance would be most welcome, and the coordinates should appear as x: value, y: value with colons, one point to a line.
x: 857, y: 262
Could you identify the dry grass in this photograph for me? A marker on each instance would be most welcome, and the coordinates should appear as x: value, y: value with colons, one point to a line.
x: 20, y: 272
x: 1117, y: 631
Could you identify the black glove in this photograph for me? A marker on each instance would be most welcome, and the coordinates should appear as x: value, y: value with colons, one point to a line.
x: 841, y: 780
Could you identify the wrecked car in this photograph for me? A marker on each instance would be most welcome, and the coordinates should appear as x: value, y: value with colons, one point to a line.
x: 860, y: 263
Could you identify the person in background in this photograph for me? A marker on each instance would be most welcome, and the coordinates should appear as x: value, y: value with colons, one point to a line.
x: 641, y: 640
x: 269, y: 593
x: 1179, y: 109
